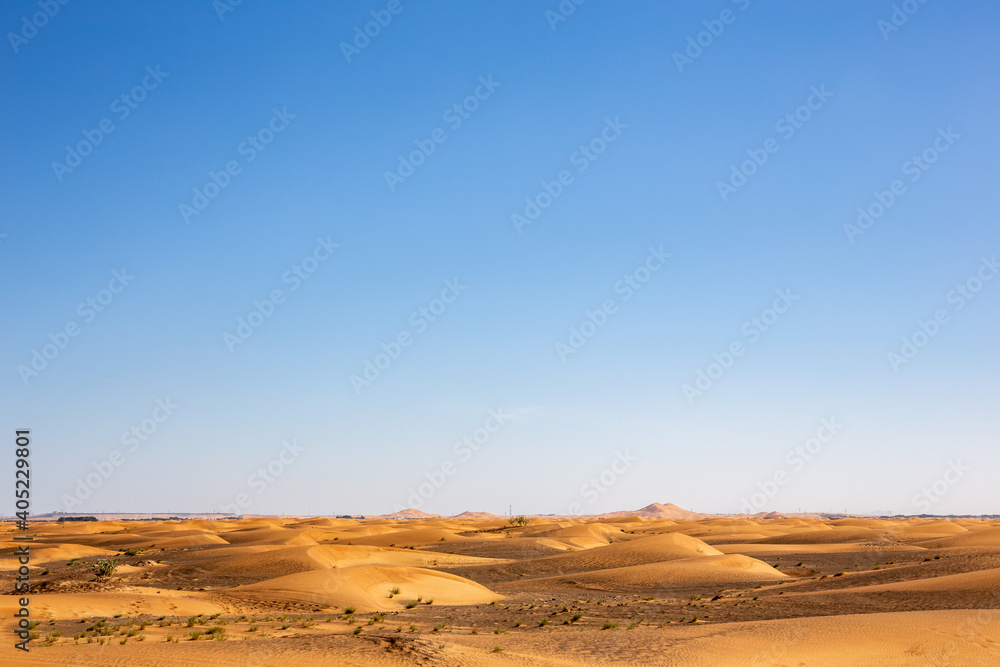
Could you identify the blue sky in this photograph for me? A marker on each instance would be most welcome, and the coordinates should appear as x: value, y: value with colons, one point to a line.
x: 608, y: 426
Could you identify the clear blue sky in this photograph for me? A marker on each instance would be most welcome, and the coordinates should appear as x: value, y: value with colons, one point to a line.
x: 673, y: 129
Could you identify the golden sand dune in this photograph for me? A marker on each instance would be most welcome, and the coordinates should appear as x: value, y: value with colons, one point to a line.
x: 707, y: 570
x: 989, y: 537
x: 900, y: 639
x: 367, y: 588
x: 274, y: 561
x: 826, y: 536
x: 410, y: 536
x: 137, y: 601
x: 931, y: 528
x: 47, y: 554
x: 267, y: 535
x: 610, y: 590
x: 966, y: 582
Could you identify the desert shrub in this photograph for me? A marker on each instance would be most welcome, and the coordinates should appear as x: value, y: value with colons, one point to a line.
x: 104, y: 567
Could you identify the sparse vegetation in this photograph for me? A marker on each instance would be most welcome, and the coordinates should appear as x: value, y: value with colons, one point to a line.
x: 104, y: 568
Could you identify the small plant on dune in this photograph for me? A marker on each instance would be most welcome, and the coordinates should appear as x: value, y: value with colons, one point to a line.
x: 411, y: 604
x: 413, y: 628
x: 517, y: 624
x: 543, y: 621
x: 393, y: 591
x: 632, y: 626
x: 576, y: 617
x: 252, y: 628
x: 519, y: 520
x: 609, y: 625
x: 498, y: 631
x: 104, y: 567
x: 349, y: 610
x: 357, y: 630
x: 497, y: 649
x: 285, y: 626
x: 429, y: 601
x: 438, y: 627
x: 194, y: 634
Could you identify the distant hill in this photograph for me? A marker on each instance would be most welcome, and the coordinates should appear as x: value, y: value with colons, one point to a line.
x: 477, y: 515
x: 408, y: 513
x: 659, y: 511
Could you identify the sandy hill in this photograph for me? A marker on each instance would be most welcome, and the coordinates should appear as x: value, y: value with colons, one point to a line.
x: 659, y: 511
x: 485, y: 516
x: 408, y: 513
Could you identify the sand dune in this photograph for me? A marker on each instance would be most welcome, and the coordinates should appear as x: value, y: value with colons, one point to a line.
x: 367, y: 588
x: 707, y: 570
x: 989, y: 537
x: 628, y: 590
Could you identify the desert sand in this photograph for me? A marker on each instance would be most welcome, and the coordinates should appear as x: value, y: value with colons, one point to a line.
x: 660, y: 587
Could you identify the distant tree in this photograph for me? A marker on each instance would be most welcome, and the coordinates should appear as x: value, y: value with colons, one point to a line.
x: 519, y: 520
